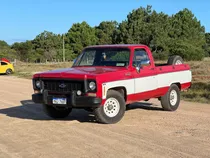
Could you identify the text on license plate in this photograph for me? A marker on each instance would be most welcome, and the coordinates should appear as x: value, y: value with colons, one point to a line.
x: 59, y: 101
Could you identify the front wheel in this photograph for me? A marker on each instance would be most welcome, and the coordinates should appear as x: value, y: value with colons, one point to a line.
x: 113, y: 109
x: 56, y: 113
x: 8, y: 71
x: 170, y: 101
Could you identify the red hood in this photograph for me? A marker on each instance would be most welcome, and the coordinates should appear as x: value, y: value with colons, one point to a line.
x: 79, y: 72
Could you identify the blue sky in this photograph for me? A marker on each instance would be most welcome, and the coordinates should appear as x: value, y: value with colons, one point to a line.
x: 24, y: 19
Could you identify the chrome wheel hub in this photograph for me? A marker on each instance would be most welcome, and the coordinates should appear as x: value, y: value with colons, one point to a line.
x: 111, y: 107
x: 173, y: 97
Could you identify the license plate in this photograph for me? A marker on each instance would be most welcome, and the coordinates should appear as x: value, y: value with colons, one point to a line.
x: 59, y: 101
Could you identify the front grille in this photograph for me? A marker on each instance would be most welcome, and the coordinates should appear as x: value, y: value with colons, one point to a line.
x: 63, y: 85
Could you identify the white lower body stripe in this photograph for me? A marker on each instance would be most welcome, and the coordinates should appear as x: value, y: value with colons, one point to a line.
x: 144, y: 84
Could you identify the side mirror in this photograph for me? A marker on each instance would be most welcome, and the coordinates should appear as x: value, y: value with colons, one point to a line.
x: 138, y: 68
x: 145, y: 62
x: 141, y: 64
x: 74, y: 60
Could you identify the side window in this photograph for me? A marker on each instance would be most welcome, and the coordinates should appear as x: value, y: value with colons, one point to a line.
x: 3, y: 63
x: 141, y: 57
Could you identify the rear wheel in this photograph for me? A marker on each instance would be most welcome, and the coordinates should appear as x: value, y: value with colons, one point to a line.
x: 8, y: 71
x: 56, y: 112
x: 170, y: 101
x: 113, y: 109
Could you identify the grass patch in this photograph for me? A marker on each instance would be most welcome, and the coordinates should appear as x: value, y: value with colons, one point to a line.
x: 200, y: 89
x: 26, y: 70
x: 199, y: 92
x: 26, y: 75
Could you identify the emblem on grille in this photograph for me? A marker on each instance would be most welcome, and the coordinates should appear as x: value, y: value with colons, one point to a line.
x: 62, y: 85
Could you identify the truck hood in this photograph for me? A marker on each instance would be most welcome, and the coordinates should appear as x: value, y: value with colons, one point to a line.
x: 79, y: 72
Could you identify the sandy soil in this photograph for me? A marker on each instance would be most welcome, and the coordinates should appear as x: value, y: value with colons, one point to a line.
x: 145, y: 130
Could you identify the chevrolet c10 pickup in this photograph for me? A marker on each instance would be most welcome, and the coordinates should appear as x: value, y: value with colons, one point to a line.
x: 105, y: 79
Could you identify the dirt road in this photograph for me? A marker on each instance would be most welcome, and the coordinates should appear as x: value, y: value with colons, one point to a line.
x: 145, y: 131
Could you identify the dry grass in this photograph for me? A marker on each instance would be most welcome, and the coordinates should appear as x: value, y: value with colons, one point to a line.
x: 26, y: 70
x: 200, y: 70
x: 199, y: 92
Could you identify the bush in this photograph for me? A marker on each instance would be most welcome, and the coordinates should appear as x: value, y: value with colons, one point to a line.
x: 187, y: 50
x: 160, y: 56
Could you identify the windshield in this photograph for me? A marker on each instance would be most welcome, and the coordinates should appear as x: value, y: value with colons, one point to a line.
x: 104, y: 57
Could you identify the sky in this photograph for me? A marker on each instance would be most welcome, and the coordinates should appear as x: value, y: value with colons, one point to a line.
x: 24, y: 19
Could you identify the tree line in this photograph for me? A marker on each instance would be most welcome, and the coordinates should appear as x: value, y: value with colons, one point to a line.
x: 181, y: 34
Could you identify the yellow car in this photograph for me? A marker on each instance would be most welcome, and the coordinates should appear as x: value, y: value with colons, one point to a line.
x: 6, y: 67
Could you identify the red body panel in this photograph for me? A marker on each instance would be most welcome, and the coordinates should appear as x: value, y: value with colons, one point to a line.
x: 109, y: 74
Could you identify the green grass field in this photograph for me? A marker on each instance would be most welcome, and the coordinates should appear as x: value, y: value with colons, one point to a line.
x: 199, y: 92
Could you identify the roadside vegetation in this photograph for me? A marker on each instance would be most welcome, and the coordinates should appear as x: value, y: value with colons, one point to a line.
x: 200, y: 90
x: 26, y: 70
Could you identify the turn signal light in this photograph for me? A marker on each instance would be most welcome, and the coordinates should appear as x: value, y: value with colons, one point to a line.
x: 91, y: 94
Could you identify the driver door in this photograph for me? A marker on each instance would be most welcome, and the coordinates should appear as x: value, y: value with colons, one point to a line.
x: 145, y: 80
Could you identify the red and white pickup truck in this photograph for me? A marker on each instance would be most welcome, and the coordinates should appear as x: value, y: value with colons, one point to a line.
x: 106, y: 78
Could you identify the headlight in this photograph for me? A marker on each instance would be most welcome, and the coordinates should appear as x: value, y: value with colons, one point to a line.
x: 92, y: 85
x: 38, y: 84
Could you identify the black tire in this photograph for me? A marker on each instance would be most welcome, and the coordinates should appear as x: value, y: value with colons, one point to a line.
x: 100, y: 113
x: 127, y: 107
x: 56, y: 113
x: 8, y: 71
x: 166, y: 99
x: 175, y: 60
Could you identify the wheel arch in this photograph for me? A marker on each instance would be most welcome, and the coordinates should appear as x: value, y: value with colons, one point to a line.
x: 178, y: 85
x: 167, y: 88
x: 120, y: 89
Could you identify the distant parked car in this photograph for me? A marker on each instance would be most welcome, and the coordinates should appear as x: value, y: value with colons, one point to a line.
x: 6, y: 67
